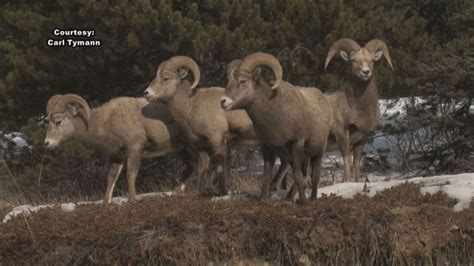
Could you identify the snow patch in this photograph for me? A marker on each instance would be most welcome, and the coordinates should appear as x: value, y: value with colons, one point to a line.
x: 459, y: 187
x: 25, y: 209
x: 70, y: 206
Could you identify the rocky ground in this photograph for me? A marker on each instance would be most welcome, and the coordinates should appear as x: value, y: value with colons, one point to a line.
x: 397, y: 226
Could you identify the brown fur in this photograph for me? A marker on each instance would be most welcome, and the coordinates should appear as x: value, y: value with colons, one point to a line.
x: 124, y: 129
x: 355, y: 104
x: 208, y: 129
x: 291, y: 122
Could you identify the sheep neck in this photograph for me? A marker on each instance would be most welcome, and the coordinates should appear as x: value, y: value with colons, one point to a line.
x: 180, y: 104
x: 259, y: 108
x: 90, y: 136
x: 363, y: 97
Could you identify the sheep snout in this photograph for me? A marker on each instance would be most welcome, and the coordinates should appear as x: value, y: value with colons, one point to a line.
x: 226, y: 103
x: 50, y: 144
x: 365, y: 74
x: 148, y: 94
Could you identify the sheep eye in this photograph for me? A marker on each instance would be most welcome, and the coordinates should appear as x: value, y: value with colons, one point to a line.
x: 166, y: 79
x: 58, y: 123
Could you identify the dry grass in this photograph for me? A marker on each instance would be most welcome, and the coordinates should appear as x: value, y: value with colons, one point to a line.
x: 400, y: 226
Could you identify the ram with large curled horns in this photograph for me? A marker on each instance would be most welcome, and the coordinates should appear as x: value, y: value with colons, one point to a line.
x: 355, y: 103
x: 207, y: 128
x: 291, y: 122
x: 123, y: 129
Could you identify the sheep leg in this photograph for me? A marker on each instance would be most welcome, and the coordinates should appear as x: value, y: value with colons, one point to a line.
x: 292, y: 192
x: 298, y: 165
x: 345, y: 147
x: 188, y: 159
x: 133, y: 165
x: 114, y: 173
x: 221, y: 162
x: 279, y: 181
x: 268, y: 163
x: 305, y: 168
x: 357, y: 151
x: 203, y: 166
x: 228, y: 167
x: 315, y: 174
x: 220, y: 158
x: 284, y: 180
x: 187, y: 173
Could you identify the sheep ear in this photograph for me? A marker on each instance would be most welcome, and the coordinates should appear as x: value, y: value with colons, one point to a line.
x: 344, y: 55
x: 378, y: 55
x: 183, y: 73
x: 73, y: 109
x: 76, y: 110
x: 256, y: 73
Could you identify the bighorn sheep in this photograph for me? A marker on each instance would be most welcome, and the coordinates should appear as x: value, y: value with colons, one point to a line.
x: 355, y: 105
x: 291, y: 122
x: 123, y: 128
x: 208, y: 128
x: 279, y: 180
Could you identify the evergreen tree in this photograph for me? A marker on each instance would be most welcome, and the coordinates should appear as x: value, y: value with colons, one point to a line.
x: 430, y: 43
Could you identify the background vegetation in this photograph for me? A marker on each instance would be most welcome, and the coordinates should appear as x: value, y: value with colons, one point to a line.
x: 431, y: 43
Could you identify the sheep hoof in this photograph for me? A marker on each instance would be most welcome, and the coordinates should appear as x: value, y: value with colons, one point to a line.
x: 292, y: 194
x: 208, y: 192
x: 180, y: 188
x: 275, y: 187
x: 222, y: 192
x: 265, y: 201
x: 265, y: 195
x: 301, y: 202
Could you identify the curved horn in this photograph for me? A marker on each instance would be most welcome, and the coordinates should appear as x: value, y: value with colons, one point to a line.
x: 231, y: 67
x: 379, y: 45
x: 52, y: 102
x: 345, y: 44
x: 74, y: 98
x: 250, y: 62
x: 187, y: 62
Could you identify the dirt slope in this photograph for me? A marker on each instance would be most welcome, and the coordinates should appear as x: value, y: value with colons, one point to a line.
x: 398, y: 226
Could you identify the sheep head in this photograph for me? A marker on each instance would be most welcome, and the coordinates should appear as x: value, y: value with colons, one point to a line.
x: 170, y: 74
x: 244, y: 76
x: 65, y: 113
x: 362, y: 58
